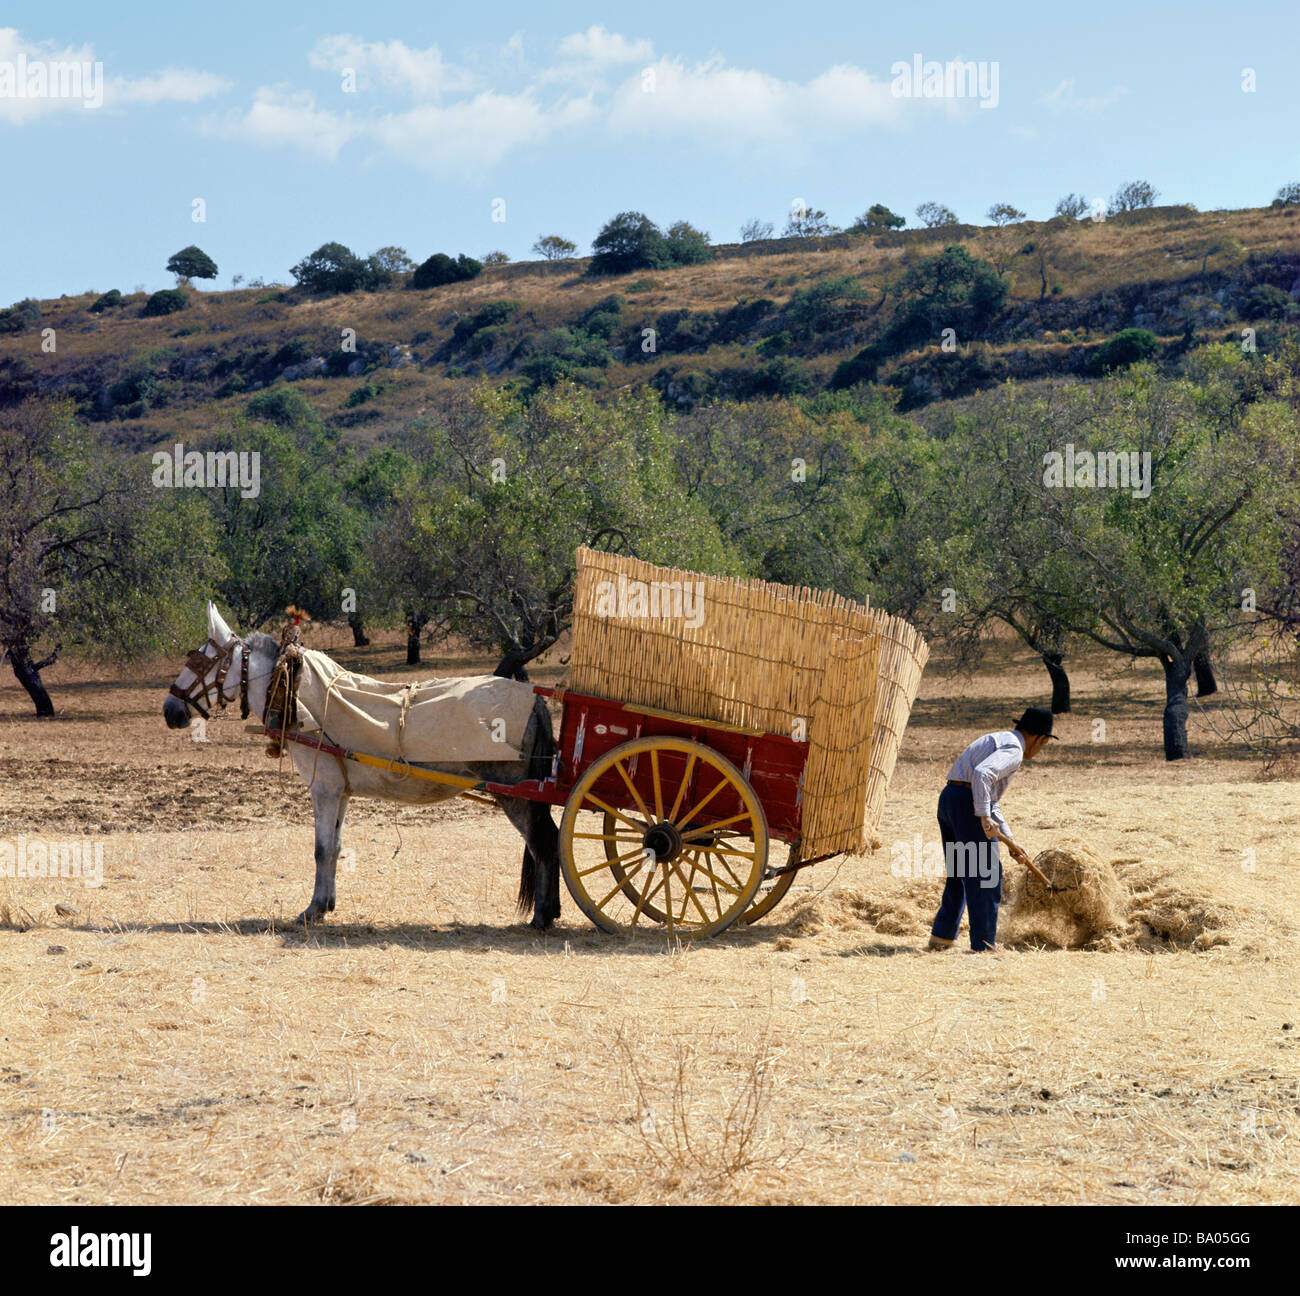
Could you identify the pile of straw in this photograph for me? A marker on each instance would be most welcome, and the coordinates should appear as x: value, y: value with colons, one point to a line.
x: 772, y: 658
x: 1088, y: 903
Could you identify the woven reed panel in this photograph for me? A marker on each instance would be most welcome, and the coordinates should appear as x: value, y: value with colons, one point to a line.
x: 782, y: 659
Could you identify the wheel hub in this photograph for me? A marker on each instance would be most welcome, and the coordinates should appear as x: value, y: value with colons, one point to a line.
x: 664, y: 841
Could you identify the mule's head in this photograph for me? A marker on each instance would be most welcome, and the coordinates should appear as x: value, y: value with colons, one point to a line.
x: 197, y: 688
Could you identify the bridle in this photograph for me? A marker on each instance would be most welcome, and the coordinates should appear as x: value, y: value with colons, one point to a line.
x: 199, y: 663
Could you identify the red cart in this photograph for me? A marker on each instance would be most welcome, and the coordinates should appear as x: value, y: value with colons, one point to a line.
x: 667, y: 818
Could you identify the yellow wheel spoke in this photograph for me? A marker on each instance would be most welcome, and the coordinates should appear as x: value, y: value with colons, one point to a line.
x: 727, y: 866
x: 731, y: 850
x: 659, y: 793
x: 636, y: 796
x: 618, y: 859
x: 714, y: 827
x: 614, y: 837
x: 682, y: 786
x: 618, y: 814
x: 646, y: 897
x: 690, y: 891
x: 713, y: 877
x: 726, y: 782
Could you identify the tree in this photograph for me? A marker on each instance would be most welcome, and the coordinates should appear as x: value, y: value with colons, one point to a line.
x: 952, y: 290
x: 686, y: 245
x: 191, y: 263
x: 1002, y: 213
x: 878, y: 217
x: 294, y: 542
x: 554, y: 247
x: 1132, y: 196
x: 1072, y: 206
x: 630, y: 241
x: 752, y: 231
x: 440, y: 269
x: 166, y: 302
x: 483, y: 543
x: 94, y: 557
x: 1152, y: 569
x: 496, y: 258
x: 334, y: 268
x: 806, y: 222
x: 933, y: 215
x: 394, y: 260
x: 1288, y: 195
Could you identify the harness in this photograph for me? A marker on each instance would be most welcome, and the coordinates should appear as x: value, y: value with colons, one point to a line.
x: 199, y: 663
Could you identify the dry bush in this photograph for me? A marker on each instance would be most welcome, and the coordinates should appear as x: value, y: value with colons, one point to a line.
x: 702, y: 1147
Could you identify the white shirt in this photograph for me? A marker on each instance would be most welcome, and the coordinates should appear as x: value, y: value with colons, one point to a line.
x: 988, y: 765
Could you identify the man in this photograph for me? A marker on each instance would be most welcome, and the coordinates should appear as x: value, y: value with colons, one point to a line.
x: 971, y: 823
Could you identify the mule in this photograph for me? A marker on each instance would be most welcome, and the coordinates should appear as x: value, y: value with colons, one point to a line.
x: 228, y: 668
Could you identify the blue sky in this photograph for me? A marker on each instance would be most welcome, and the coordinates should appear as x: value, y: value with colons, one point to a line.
x: 715, y: 113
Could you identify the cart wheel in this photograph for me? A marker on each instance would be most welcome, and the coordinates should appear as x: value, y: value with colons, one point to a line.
x: 769, y: 897
x: 689, y: 857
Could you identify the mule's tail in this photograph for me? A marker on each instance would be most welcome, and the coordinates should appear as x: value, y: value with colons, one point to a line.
x: 527, y: 882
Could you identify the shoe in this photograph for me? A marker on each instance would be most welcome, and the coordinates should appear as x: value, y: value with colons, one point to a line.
x: 938, y: 943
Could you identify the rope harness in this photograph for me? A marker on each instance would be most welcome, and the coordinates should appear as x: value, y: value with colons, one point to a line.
x: 199, y: 663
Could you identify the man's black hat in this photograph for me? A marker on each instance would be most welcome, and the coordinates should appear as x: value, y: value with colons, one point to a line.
x: 1036, y: 720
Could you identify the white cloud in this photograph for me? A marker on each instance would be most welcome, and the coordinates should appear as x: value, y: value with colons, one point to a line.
x: 1063, y: 99
x: 742, y: 104
x: 278, y: 116
x: 596, y: 45
x: 393, y: 65
x: 40, y: 78
x: 476, y: 132
x: 175, y: 85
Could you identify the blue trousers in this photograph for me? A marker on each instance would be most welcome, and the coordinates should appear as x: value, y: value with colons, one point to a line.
x: 973, y: 869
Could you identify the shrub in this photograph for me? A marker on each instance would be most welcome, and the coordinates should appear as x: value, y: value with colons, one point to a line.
x: 494, y: 313
x: 1072, y: 206
x: 166, y: 302
x: 367, y: 391
x: 1125, y: 348
x: 334, y: 268
x: 283, y: 406
x: 109, y: 300
x: 20, y: 316
x: 441, y: 269
x: 1264, y: 301
x: 1288, y: 195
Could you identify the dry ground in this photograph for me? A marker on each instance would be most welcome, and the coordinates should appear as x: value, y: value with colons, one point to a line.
x: 172, y: 1041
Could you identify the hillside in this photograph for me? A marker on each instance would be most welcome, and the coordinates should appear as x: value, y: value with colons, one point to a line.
x: 774, y: 317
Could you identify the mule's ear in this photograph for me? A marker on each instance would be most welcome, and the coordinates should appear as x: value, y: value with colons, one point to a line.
x: 217, y: 627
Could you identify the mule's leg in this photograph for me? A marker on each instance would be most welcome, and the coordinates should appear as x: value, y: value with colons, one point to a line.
x: 533, y: 820
x: 329, y: 806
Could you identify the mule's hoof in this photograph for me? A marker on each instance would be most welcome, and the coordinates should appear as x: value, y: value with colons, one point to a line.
x: 542, y: 924
x: 312, y: 913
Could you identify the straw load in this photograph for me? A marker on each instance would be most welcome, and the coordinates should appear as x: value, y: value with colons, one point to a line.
x: 763, y: 657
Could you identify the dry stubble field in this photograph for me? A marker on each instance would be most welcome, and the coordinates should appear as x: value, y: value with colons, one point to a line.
x: 173, y: 1041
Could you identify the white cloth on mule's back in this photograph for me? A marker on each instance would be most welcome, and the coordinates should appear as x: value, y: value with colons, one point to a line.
x: 466, y: 718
